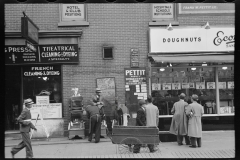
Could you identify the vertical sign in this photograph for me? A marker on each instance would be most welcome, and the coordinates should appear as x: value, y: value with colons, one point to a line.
x: 134, y: 58
x: 135, y: 80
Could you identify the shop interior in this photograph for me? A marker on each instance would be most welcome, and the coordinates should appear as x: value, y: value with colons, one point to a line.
x: 169, y: 80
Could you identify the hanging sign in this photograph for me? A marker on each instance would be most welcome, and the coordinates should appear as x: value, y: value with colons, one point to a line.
x: 230, y: 85
x: 185, y: 85
x: 176, y: 86
x: 222, y: 85
x: 210, y: 85
x: 31, y: 46
x: 166, y: 86
x: 29, y: 30
x: 156, y: 86
x: 200, y: 85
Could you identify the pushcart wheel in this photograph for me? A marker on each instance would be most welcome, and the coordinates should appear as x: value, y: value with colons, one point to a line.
x: 127, y: 144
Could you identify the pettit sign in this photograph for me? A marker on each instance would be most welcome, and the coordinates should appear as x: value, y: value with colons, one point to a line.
x: 192, y: 40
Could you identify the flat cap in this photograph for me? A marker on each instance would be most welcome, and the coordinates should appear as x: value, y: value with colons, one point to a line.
x: 98, y: 90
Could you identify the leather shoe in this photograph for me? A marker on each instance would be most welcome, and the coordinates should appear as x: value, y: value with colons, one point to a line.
x: 89, y: 140
x: 154, y: 150
x: 180, y: 144
x: 12, y: 154
x: 193, y: 146
x: 188, y: 143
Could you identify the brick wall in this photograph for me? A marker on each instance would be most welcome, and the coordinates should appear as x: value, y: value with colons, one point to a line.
x: 124, y: 26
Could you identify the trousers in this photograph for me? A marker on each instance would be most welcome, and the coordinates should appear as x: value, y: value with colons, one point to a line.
x: 180, y: 139
x: 96, y: 122
x: 26, y: 142
x: 195, y: 140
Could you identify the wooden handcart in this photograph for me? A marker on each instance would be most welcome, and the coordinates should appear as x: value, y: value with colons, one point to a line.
x: 125, y: 137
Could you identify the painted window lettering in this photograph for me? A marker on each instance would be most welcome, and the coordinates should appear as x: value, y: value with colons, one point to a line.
x: 220, y: 37
x: 190, y: 39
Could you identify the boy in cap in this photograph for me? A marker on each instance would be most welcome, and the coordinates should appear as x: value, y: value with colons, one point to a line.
x: 25, y: 125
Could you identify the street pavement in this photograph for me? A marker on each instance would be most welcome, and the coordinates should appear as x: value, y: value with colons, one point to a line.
x: 215, y: 144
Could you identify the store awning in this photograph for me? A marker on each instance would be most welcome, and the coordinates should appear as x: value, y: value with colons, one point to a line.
x: 192, y: 58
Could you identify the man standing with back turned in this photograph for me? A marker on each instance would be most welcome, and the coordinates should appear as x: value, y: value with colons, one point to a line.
x: 25, y: 124
x: 179, y: 120
x: 152, y: 114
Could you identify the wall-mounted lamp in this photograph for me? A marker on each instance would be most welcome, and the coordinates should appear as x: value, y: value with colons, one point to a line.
x: 169, y: 65
x: 193, y: 69
x: 162, y: 69
x: 207, y: 26
x: 224, y: 68
x: 169, y: 27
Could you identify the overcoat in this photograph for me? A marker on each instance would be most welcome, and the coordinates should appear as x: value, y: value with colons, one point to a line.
x: 179, y: 119
x: 152, y: 114
x: 141, y: 117
x: 25, y: 125
x: 195, y: 124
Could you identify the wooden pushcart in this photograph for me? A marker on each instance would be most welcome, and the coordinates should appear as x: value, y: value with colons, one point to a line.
x: 125, y: 137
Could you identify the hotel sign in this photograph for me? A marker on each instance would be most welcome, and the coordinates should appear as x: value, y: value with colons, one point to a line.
x: 191, y: 40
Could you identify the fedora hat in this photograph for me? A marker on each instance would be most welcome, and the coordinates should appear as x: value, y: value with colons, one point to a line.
x: 195, y: 97
x: 98, y: 90
x: 28, y: 101
x: 141, y: 102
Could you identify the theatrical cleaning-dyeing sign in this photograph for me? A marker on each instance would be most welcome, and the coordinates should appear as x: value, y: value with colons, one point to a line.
x: 55, y: 53
x: 59, y: 53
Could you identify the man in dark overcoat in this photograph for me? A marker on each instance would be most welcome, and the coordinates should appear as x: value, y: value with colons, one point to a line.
x: 25, y: 125
x: 141, y: 121
x: 94, y: 115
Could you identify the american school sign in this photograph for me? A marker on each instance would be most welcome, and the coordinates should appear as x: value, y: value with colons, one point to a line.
x: 191, y: 40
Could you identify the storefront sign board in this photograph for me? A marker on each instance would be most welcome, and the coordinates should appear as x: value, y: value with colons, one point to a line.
x: 230, y: 85
x: 42, y: 100
x: 162, y: 11
x: 196, y: 8
x: 41, y: 71
x: 191, y: 40
x: 72, y: 12
x: 134, y: 60
x: 61, y: 53
x: 20, y: 55
x: 51, y: 110
x: 135, y: 76
x: 29, y: 30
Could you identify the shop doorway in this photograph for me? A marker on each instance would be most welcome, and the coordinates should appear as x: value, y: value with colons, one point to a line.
x: 12, y: 96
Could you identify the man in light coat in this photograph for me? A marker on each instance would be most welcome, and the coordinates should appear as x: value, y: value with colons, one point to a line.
x: 152, y: 118
x: 179, y: 120
x: 195, y: 112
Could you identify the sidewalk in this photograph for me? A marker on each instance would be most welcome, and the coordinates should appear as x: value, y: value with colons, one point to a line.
x: 215, y: 144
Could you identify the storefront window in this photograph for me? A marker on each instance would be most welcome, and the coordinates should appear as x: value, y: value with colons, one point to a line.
x: 42, y: 80
x: 168, y: 83
x: 226, y: 89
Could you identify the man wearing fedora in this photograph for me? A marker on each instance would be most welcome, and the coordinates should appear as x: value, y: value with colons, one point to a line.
x: 25, y: 125
x: 195, y: 112
x: 179, y: 122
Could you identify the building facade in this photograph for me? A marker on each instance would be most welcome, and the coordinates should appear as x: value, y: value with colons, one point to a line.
x: 109, y: 46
